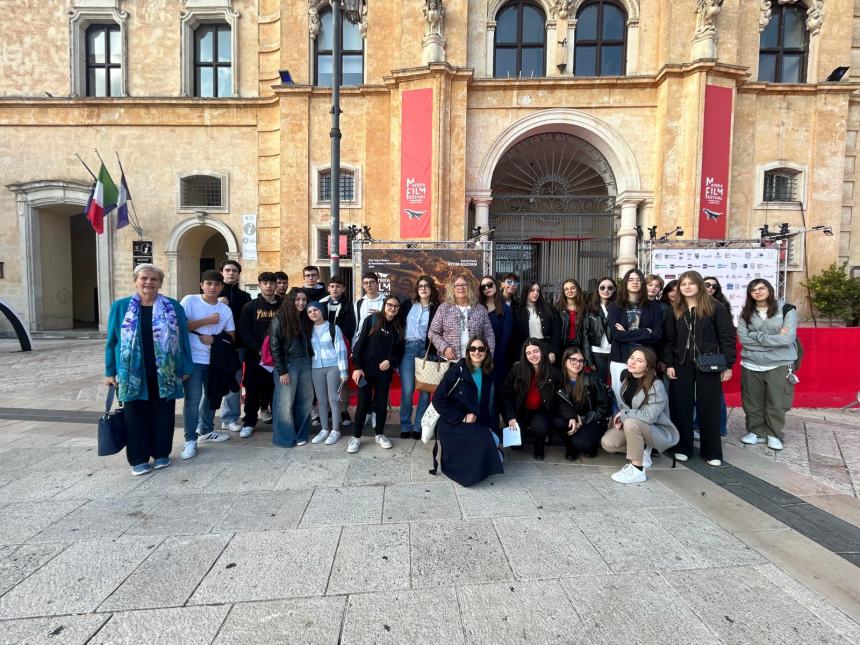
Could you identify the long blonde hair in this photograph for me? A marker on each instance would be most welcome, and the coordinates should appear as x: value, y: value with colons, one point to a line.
x: 470, y: 290
x: 705, y: 304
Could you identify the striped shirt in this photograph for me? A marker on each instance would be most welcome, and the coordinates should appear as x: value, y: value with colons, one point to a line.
x: 326, y: 352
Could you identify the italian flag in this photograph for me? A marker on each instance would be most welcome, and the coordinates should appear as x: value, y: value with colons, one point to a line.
x: 104, y: 200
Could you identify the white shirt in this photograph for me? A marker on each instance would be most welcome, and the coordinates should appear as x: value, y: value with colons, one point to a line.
x: 197, y: 308
x: 464, y: 328
x: 368, y: 306
x: 605, y: 346
x: 535, y: 326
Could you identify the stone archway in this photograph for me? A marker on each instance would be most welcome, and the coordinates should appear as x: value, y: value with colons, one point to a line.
x: 613, y: 147
x: 183, y: 250
x: 41, y: 291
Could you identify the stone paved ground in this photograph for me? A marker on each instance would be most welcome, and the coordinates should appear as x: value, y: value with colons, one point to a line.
x: 251, y: 544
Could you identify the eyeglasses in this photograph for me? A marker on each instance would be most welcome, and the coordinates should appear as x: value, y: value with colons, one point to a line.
x: 607, y: 288
x: 391, y: 305
x: 423, y: 285
x: 510, y: 282
x: 459, y: 286
x: 487, y: 286
x: 475, y: 349
x: 578, y: 361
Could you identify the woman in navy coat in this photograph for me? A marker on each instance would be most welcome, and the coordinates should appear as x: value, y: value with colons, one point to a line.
x: 467, y: 427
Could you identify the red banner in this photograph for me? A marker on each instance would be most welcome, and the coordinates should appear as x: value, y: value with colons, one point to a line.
x: 716, y: 150
x: 416, y: 158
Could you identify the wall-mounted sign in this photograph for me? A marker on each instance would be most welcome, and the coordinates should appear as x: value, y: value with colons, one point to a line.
x: 141, y: 252
x: 249, y: 236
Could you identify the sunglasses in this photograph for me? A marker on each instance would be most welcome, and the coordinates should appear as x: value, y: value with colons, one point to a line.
x: 487, y: 285
x: 710, y: 285
x: 609, y: 288
x: 475, y: 349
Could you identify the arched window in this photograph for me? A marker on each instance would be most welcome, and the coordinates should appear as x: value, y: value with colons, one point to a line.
x: 784, y: 46
x: 601, y: 29
x: 352, y: 55
x: 520, y: 41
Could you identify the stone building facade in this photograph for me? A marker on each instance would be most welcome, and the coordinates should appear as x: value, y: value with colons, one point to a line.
x: 593, y: 104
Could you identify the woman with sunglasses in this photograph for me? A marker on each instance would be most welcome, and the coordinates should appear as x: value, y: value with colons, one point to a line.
x: 529, y: 394
x: 415, y: 317
x: 502, y: 321
x: 375, y: 356
x: 467, y: 426
x: 643, y: 420
x: 635, y: 321
x: 571, y: 312
x: 583, y: 407
x: 702, y: 327
x: 597, y: 334
x: 534, y: 318
x: 715, y: 290
x: 459, y: 318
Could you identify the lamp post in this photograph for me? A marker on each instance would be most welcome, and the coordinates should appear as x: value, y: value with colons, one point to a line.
x: 352, y: 9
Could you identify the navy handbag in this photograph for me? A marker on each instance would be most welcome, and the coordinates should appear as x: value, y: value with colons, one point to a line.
x: 112, y: 436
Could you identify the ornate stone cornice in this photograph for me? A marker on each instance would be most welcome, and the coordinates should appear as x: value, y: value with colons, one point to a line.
x: 814, y: 14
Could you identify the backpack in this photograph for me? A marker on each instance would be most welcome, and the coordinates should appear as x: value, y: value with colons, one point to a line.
x: 797, y: 345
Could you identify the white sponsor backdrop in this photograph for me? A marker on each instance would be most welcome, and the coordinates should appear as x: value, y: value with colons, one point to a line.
x: 734, y: 268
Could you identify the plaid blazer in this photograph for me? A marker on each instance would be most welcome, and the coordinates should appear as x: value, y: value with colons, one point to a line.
x: 445, y: 329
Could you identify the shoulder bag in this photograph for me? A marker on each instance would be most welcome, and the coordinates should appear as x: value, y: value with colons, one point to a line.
x: 431, y: 418
x: 112, y: 432
x: 712, y: 363
x: 429, y: 373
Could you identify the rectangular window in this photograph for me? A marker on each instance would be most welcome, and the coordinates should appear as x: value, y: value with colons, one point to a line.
x: 780, y: 187
x: 213, y: 56
x: 347, y: 186
x: 103, y: 60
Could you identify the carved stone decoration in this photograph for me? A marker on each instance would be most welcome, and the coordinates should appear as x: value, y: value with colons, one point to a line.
x: 705, y: 38
x: 433, y: 43
x: 765, y: 14
x: 560, y: 9
x: 815, y: 17
x: 314, y: 23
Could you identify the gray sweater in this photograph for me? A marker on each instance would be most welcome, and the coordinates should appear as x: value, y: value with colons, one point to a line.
x: 764, y: 345
x: 655, y: 413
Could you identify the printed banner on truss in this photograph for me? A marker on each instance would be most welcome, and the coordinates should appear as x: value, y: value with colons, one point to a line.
x: 398, y: 269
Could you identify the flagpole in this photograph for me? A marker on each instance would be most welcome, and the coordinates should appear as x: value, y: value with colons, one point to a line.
x: 136, y: 222
x: 92, y: 174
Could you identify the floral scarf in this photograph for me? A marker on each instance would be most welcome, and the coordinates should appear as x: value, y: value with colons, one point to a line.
x: 131, y: 372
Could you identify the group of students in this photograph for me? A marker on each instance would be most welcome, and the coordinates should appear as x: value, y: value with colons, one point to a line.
x: 630, y: 369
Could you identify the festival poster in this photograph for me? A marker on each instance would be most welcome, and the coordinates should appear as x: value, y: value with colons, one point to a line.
x: 398, y: 269
x: 416, y: 159
x: 716, y: 152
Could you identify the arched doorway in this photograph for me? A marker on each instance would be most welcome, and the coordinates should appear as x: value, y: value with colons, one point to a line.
x: 553, y: 211
x: 193, y: 247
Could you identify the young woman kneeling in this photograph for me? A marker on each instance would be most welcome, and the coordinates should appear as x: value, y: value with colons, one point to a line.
x: 466, y: 427
x: 582, y: 406
x: 642, y: 422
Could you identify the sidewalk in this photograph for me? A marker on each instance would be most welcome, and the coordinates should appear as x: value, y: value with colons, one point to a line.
x: 251, y: 544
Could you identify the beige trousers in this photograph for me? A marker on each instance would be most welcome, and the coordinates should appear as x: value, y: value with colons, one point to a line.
x: 632, y: 436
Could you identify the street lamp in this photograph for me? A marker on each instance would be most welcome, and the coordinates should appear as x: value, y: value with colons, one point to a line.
x: 352, y: 10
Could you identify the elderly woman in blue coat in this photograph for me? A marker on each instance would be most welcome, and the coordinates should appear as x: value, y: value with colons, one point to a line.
x: 147, y: 357
x: 467, y: 425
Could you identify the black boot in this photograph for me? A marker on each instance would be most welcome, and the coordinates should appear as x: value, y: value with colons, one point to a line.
x: 538, y: 453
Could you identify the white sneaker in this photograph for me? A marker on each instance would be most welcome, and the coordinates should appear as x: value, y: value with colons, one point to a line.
x: 630, y: 474
x: 647, y: 462
x: 233, y: 426
x: 680, y: 456
x: 383, y: 441
x: 752, y: 438
x: 321, y: 436
x: 333, y: 437
x: 300, y: 443
x: 190, y: 450
x: 714, y: 462
x: 773, y: 443
x: 373, y: 420
x: 354, y: 445
x: 265, y: 416
x: 696, y: 436
x: 213, y: 437
x: 246, y: 432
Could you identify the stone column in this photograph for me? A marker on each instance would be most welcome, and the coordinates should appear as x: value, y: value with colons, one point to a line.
x: 627, y: 232
x: 482, y: 212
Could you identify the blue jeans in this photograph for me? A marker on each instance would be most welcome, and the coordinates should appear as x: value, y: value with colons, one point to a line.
x: 231, y: 405
x: 291, y: 405
x: 414, y: 350
x: 196, y: 414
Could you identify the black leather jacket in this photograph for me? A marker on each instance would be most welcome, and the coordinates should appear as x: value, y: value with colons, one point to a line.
x: 593, y: 327
x: 596, y: 407
x: 285, y: 350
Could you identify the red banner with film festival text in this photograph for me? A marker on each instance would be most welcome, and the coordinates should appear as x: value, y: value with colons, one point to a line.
x: 716, y: 152
x: 416, y: 159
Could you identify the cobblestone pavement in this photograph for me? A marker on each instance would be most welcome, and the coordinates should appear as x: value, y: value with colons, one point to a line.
x: 251, y: 544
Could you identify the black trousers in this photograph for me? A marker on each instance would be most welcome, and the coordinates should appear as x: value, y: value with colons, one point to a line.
x: 585, y: 440
x: 149, y: 428
x: 601, y: 364
x: 259, y: 388
x: 690, y: 389
x: 539, y: 424
x: 373, y: 396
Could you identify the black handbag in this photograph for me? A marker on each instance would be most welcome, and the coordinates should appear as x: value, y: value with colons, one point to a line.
x: 112, y: 432
x: 711, y: 363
